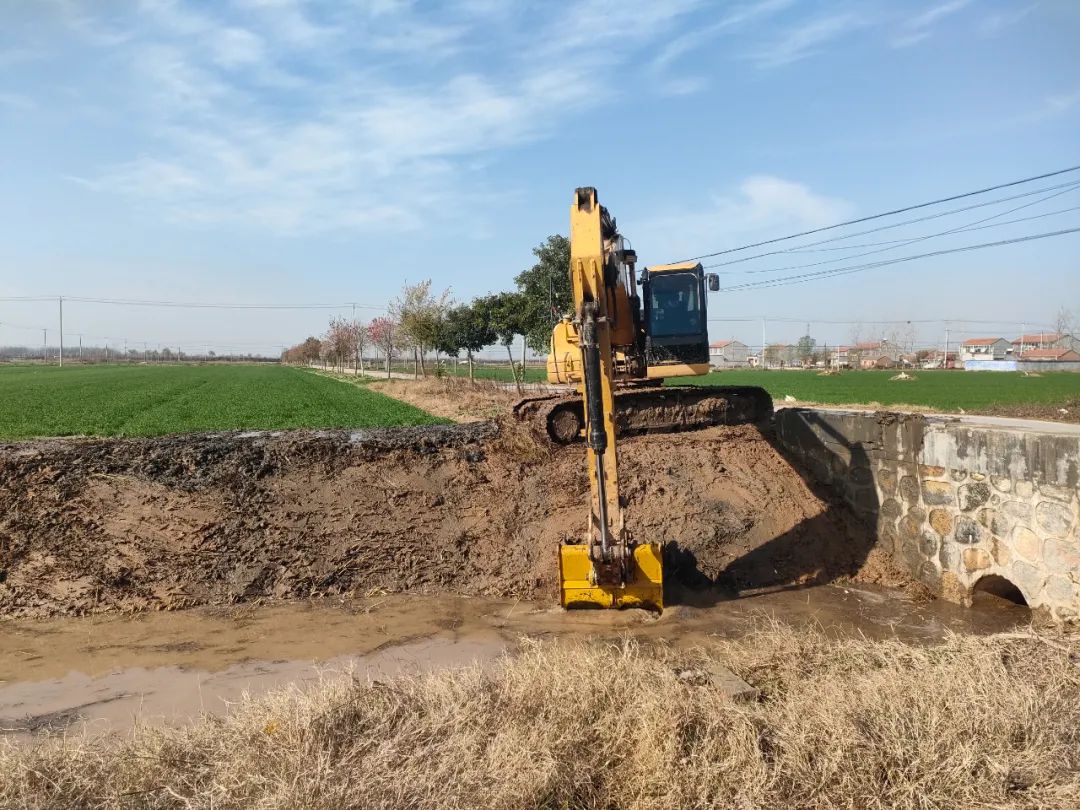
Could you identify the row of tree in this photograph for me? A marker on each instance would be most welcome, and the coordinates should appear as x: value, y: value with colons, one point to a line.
x: 422, y: 321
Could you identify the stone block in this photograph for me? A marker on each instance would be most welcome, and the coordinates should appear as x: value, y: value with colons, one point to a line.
x: 930, y: 575
x: 1061, y: 556
x: 950, y: 556
x: 910, y: 527
x: 1063, y: 494
x: 886, y: 481
x: 938, y: 493
x: 861, y: 476
x: 1001, y: 483
x: 931, y: 471
x: 1026, y: 543
x: 1025, y: 489
x: 1017, y: 509
x: 975, y: 559
x: 1002, y: 554
x: 958, y: 475
x: 928, y: 544
x: 891, y: 508
x: 909, y: 551
x: 1027, y: 578
x: 972, y: 496
x: 967, y: 531
x: 941, y: 521
x: 978, y: 477
x: 1054, y: 518
x: 909, y: 488
x: 1058, y: 590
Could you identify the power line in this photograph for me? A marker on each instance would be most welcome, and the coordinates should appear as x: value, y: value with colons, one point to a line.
x: 205, y: 305
x: 800, y: 248
x: 904, y: 242
x: 961, y: 230
x: 886, y: 213
x: 840, y: 271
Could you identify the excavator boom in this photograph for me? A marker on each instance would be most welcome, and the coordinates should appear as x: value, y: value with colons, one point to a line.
x: 604, y: 568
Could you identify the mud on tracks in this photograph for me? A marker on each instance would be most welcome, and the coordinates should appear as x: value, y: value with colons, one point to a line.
x: 91, y: 525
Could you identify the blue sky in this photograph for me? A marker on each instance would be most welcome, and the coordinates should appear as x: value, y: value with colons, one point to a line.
x: 283, y: 151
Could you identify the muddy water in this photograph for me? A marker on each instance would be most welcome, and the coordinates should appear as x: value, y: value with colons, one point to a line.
x: 105, y: 673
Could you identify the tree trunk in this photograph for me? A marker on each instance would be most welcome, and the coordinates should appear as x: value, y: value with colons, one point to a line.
x: 423, y: 368
x: 524, y: 346
x: 415, y: 364
x: 513, y: 368
x: 472, y: 378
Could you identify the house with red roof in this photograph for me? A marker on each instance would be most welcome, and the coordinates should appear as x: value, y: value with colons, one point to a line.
x: 1045, y: 340
x: 1054, y: 355
x: 989, y: 348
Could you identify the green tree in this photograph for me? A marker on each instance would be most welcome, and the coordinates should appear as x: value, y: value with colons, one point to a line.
x: 545, y: 292
x: 467, y: 327
x: 805, y: 348
x: 507, y: 317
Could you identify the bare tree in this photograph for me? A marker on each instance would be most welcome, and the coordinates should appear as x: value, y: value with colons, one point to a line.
x: 420, y: 314
x: 1064, y: 323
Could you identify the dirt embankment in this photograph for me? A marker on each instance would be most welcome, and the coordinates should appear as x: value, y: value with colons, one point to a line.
x: 96, y: 525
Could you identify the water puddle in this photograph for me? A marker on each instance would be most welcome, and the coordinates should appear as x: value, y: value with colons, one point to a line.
x: 105, y: 673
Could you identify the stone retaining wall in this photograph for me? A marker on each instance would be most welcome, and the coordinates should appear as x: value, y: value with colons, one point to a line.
x: 956, y: 499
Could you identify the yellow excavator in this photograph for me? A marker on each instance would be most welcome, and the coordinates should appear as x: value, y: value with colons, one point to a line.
x: 616, y: 349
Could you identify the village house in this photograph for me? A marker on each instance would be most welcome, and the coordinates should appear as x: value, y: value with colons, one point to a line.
x: 729, y: 354
x: 984, y: 349
x: 1055, y: 355
x: 1045, y: 340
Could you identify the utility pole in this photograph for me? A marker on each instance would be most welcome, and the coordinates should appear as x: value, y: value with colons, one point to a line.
x: 145, y: 353
x: 61, y: 300
x: 45, y: 345
x: 945, y: 359
x: 125, y: 350
x: 106, y: 350
x: 762, y: 364
x: 80, y: 348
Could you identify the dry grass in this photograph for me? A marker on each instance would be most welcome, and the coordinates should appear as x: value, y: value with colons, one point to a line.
x: 969, y: 723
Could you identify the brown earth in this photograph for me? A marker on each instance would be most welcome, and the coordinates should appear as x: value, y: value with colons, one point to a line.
x: 160, y: 523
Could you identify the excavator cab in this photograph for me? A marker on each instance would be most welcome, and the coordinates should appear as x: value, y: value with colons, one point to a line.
x: 676, y: 319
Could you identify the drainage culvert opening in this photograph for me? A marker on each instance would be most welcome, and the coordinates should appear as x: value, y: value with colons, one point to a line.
x: 998, y: 587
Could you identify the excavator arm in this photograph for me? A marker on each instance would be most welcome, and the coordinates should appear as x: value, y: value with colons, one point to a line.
x: 605, y: 568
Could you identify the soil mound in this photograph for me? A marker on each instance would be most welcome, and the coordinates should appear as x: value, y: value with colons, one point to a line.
x: 162, y: 523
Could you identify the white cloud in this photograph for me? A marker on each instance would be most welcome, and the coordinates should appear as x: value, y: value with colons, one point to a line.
x: 240, y: 121
x: 764, y: 206
x: 920, y: 27
x: 994, y: 24
x: 806, y: 40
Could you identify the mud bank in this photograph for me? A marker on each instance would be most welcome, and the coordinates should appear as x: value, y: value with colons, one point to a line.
x: 126, y: 525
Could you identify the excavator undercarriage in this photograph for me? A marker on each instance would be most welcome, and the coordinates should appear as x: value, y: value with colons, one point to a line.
x: 656, y: 409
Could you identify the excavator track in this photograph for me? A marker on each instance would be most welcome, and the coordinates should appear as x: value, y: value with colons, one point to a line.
x: 661, y: 409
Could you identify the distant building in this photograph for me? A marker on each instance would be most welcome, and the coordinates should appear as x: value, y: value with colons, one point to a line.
x: 936, y: 358
x: 876, y: 361
x: 729, y: 354
x: 984, y: 349
x: 1045, y: 340
x: 1056, y: 355
x: 872, y: 350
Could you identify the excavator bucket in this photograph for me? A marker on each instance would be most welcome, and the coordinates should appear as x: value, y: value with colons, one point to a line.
x: 644, y: 587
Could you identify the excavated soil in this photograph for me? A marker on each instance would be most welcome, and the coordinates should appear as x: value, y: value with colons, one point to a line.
x: 162, y: 523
